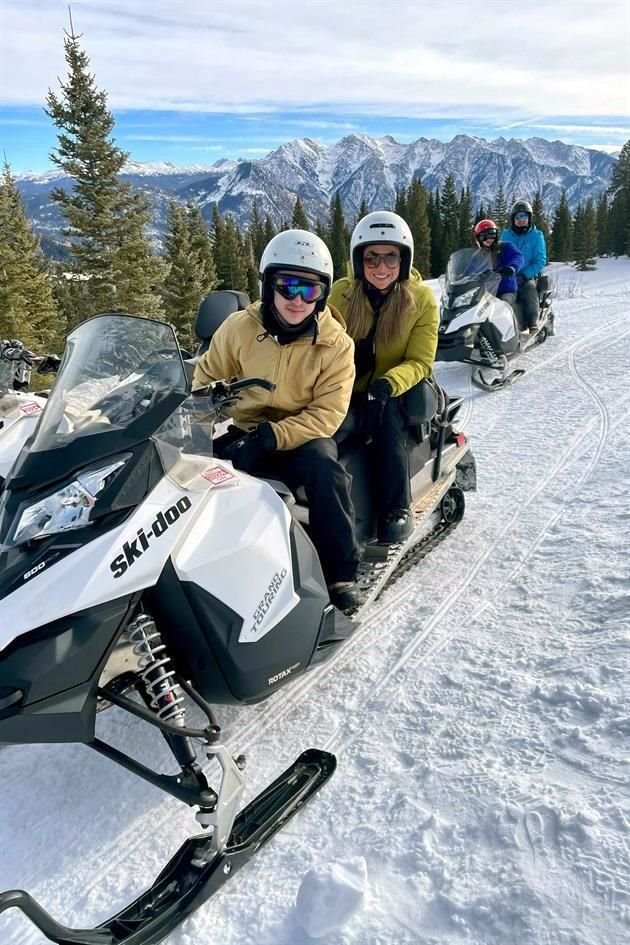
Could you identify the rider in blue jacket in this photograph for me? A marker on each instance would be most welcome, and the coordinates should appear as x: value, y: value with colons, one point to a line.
x: 531, y: 242
x: 506, y: 258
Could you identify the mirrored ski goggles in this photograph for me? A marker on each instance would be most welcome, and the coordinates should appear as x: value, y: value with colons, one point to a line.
x: 289, y: 287
x: 521, y: 216
x: 372, y: 260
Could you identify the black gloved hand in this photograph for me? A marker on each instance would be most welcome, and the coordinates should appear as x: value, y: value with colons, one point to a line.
x: 247, y: 452
x: 506, y: 270
x: 49, y: 364
x: 378, y: 394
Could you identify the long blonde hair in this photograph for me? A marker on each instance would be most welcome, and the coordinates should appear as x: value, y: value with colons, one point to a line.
x: 359, y: 316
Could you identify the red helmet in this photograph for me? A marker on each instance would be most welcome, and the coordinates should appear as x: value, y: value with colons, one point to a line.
x: 488, y: 227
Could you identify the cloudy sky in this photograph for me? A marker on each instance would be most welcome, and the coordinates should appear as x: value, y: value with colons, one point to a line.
x: 190, y: 81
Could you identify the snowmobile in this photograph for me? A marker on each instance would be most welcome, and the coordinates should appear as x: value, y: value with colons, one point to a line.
x: 479, y: 329
x: 123, y: 549
x: 19, y: 410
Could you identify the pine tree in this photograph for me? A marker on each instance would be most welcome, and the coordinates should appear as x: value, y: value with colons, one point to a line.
x: 418, y: 221
x: 218, y: 244
x: 106, y: 218
x: 201, y: 245
x: 449, y: 214
x: 400, y: 204
x: 28, y: 310
x: 182, y: 289
x: 585, y: 236
x: 438, y: 261
x: 321, y: 229
x: 603, y: 242
x: 269, y: 231
x: 561, y: 243
x: 500, y: 210
x: 231, y: 263
x: 257, y: 233
x: 339, y: 238
x: 465, y: 217
x: 362, y: 211
x: 619, y: 190
x: 540, y: 217
x: 299, y: 220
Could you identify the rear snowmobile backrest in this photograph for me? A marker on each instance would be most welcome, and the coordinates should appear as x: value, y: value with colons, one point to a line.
x: 213, y: 311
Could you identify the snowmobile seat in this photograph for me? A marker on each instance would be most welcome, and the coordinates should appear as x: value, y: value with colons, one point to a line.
x: 213, y: 311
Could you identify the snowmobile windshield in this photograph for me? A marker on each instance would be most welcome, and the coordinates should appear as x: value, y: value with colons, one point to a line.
x: 8, y: 402
x: 115, y: 373
x: 7, y: 373
x: 120, y: 378
x: 471, y: 264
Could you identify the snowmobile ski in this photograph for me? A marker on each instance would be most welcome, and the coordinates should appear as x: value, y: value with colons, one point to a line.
x: 498, y: 383
x: 188, y: 880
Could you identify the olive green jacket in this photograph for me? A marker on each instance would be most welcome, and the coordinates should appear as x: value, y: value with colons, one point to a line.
x: 409, y: 358
x: 313, y: 381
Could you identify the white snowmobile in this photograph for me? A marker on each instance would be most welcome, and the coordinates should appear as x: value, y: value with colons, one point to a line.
x: 132, y: 560
x: 19, y: 410
x: 478, y: 328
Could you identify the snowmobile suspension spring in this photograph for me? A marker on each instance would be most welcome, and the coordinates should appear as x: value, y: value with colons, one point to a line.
x: 487, y: 351
x: 156, y: 672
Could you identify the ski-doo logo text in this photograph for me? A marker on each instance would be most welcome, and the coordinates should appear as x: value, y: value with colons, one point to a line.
x: 268, y: 599
x: 132, y: 550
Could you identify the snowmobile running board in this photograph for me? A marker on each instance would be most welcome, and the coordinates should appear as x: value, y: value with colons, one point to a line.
x: 184, y: 885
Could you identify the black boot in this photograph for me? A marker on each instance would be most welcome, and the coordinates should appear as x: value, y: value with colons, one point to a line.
x: 344, y: 595
x: 397, y: 526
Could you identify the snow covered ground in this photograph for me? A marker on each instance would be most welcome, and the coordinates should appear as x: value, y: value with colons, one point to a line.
x: 480, y: 717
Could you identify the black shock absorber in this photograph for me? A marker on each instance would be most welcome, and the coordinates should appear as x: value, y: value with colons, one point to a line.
x: 160, y: 690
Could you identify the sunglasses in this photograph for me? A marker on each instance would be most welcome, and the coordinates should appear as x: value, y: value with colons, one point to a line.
x: 521, y: 216
x: 488, y: 235
x: 372, y: 260
x: 289, y: 287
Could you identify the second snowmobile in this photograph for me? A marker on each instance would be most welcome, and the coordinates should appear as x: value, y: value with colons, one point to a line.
x: 480, y: 329
x: 19, y: 410
x: 133, y: 561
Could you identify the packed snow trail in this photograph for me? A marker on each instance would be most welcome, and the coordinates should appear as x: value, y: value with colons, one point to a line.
x: 480, y: 716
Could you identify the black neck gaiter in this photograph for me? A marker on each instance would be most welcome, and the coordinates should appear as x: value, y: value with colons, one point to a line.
x: 282, y: 331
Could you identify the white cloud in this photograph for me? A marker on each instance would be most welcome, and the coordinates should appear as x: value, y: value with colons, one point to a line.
x: 405, y: 58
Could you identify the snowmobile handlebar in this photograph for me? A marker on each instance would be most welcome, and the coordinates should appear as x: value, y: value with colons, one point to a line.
x: 224, y: 392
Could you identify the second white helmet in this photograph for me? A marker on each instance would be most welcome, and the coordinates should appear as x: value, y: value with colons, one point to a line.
x: 381, y: 226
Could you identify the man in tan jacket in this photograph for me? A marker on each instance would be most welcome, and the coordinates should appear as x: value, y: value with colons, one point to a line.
x: 292, y: 338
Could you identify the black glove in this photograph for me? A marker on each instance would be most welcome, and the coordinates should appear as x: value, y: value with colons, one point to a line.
x: 378, y: 394
x: 49, y: 364
x: 506, y: 270
x: 247, y: 452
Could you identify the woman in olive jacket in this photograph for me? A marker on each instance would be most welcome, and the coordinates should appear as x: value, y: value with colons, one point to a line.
x: 393, y: 318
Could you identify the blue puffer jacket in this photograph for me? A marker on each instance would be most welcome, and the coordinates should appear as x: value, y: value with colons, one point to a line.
x: 532, y: 246
x: 509, y: 255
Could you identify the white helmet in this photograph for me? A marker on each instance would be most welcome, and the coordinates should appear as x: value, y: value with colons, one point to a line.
x: 382, y: 226
x: 300, y: 250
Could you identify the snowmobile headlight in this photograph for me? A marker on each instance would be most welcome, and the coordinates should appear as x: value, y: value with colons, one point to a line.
x: 66, y: 509
x: 465, y: 298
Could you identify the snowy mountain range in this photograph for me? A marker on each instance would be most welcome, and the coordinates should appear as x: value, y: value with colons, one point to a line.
x: 358, y: 167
